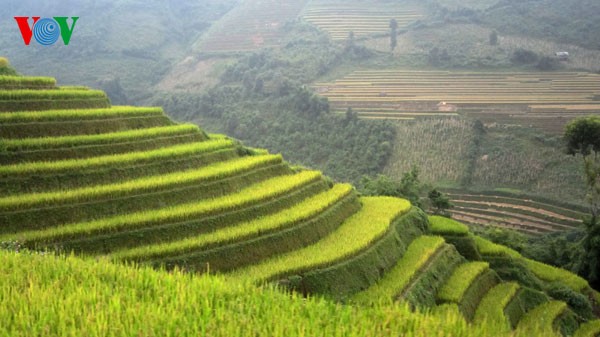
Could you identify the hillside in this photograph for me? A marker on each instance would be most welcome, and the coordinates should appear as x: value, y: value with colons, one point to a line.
x: 249, y: 69
x: 127, y: 184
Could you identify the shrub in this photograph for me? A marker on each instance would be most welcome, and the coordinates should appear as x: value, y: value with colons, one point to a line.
x: 579, y: 303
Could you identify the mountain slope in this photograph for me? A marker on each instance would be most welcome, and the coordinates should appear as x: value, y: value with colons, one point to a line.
x: 126, y: 184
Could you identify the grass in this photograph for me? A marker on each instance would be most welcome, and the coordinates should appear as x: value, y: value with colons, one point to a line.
x: 21, y: 82
x: 71, y: 165
x: 542, y: 271
x: 489, y: 248
x: 588, y: 329
x: 460, y: 281
x: 552, y: 274
x: 269, y: 189
x: 355, y: 234
x: 491, y: 307
x: 542, y: 317
x: 75, y: 114
x: 298, y: 213
x: 27, y: 94
x: 68, y: 296
x: 395, y: 281
x: 444, y: 226
x: 30, y: 144
x: 143, y: 185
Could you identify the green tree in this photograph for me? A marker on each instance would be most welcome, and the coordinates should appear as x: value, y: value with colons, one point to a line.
x: 439, y: 202
x: 393, y: 34
x: 409, y: 187
x: 583, y: 138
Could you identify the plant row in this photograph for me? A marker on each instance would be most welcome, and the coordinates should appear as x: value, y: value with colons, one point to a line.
x: 30, y: 144
x: 491, y: 307
x: 28, y: 82
x: 355, y: 234
x: 111, y: 174
x: 96, y: 150
x: 27, y: 95
x: 259, y: 246
x: 78, y: 115
x: 395, y: 281
x: 542, y: 317
x: 518, y: 213
x: 298, y: 213
x: 150, y: 184
x: 444, y: 226
x: 75, y: 165
x: 39, y: 104
x: 261, y: 192
x: 105, y: 243
x: 365, y: 268
x: 461, y: 280
x: 166, y: 196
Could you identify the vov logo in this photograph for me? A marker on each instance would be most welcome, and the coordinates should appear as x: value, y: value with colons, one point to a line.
x: 46, y: 30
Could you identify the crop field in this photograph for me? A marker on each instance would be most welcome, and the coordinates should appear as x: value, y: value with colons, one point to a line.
x: 363, y: 18
x: 544, y: 100
x: 207, y: 204
x: 250, y: 26
x: 19, y: 82
x: 393, y: 286
x: 522, y: 213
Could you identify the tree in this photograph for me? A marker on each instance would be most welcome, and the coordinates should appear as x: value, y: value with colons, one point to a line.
x: 493, y: 38
x: 439, y: 202
x: 409, y: 187
x: 393, y: 34
x: 583, y: 137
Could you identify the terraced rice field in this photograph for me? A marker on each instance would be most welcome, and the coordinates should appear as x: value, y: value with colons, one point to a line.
x: 520, y: 213
x: 544, y: 100
x: 127, y: 184
x: 364, y: 18
x: 250, y: 26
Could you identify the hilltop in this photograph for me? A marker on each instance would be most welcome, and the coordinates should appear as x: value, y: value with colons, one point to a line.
x: 118, y: 185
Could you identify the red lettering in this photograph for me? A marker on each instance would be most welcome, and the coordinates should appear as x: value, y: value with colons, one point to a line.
x: 26, y: 30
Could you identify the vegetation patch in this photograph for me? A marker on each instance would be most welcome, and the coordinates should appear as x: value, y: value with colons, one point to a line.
x: 30, y: 144
x: 354, y: 235
x: 543, y: 316
x: 491, y: 307
x: 26, y: 82
x: 144, y: 301
x: 211, y: 172
x: 444, y: 226
x: 461, y: 280
x: 269, y: 189
x: 391, y: 286
x: 552, y: 274
x: 588, y: 329
x: 75, y: 165
x: 296, y: 214
x: 78, y: 114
